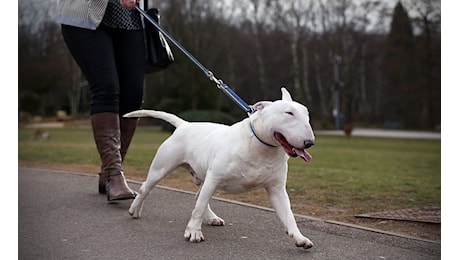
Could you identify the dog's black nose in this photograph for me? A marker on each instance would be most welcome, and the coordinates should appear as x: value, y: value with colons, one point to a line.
x: 309, y: 143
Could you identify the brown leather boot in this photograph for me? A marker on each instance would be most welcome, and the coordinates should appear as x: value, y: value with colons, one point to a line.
x: 127, y: 129
x: 106, y: 132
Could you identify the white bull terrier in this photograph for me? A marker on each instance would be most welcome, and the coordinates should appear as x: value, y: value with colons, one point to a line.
x: 247, y: 155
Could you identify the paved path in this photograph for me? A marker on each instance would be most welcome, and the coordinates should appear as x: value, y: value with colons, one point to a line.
x: 61, y: 216
x: 384, y: 133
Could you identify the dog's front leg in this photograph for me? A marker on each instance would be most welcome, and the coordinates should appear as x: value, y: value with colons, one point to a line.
x: 280, y: 202
x: 193, y: 231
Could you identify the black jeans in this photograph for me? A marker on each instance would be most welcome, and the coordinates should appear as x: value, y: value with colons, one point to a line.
x: 113, y: 62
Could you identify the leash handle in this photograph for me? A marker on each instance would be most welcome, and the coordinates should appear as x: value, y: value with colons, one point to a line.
x: 220, y: 84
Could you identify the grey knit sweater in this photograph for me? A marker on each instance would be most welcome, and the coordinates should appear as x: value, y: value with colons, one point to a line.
x: 81, y: 13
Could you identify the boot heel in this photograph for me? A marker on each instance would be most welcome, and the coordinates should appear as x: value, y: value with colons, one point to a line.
x: 102, y: 189
x: 102, y: 183
x: 117, y: 188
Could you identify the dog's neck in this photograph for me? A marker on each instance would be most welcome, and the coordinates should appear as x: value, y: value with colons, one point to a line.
x: 254, y: 132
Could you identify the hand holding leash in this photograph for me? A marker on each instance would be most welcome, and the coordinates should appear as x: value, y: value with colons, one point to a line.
x: 129, y: 3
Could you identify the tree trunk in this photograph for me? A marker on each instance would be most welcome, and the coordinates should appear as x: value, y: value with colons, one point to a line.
x: 74, y: 92
x: 260, y: 63
x: 296, y: 68
x: 319, y: 85
x: 305, y: 74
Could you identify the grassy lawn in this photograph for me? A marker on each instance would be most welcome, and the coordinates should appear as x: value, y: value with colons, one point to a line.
x: 346, y: 176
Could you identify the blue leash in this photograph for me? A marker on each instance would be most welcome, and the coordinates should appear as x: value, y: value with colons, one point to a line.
x: 220, y: 84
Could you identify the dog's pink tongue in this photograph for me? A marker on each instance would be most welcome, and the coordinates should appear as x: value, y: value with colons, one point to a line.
x: 303, y: 154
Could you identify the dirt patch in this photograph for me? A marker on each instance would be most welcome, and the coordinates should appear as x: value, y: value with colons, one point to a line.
x: 423, y: 214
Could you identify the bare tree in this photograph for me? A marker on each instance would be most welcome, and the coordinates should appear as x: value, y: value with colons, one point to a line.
x: 294, y: 16
x: 426, y: 18
x: 257, y: 13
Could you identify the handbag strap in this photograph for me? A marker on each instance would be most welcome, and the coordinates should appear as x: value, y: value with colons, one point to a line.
x: 146, y: 4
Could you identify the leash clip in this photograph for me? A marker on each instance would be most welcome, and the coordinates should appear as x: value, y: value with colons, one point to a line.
x: 230, y: 93
x: 211, y: 77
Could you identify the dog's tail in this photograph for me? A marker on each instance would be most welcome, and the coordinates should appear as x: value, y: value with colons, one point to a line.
x: 170, y: 118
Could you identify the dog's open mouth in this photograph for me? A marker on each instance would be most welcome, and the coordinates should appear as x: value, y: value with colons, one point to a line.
x: 291, y: 150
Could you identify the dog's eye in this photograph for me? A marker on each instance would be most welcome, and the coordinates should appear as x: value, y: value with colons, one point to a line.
x: 289, y: 113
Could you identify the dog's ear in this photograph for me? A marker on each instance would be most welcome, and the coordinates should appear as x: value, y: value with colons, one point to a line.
x: 285, y: 94
x: 261, y: 105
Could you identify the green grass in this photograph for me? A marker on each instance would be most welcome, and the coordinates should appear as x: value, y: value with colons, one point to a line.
x: 370, y: 173
x: 357, y: 174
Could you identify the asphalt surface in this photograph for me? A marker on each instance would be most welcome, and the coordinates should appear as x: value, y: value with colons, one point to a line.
x: 62, y: 216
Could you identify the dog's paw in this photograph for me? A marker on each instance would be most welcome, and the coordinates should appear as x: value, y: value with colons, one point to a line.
x: 134, y: 212
x: 194, y: 236
x: 215, y: 221
x: 303, y: 242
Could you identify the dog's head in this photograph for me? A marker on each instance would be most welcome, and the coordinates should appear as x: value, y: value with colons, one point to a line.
x: 288, y: 123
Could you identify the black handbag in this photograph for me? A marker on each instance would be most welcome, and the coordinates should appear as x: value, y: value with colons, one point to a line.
x: 158, y: 54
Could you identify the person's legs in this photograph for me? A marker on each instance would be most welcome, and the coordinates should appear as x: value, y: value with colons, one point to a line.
x: 94, y: 53
x: 130, y: 59
x: 131, y: 72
